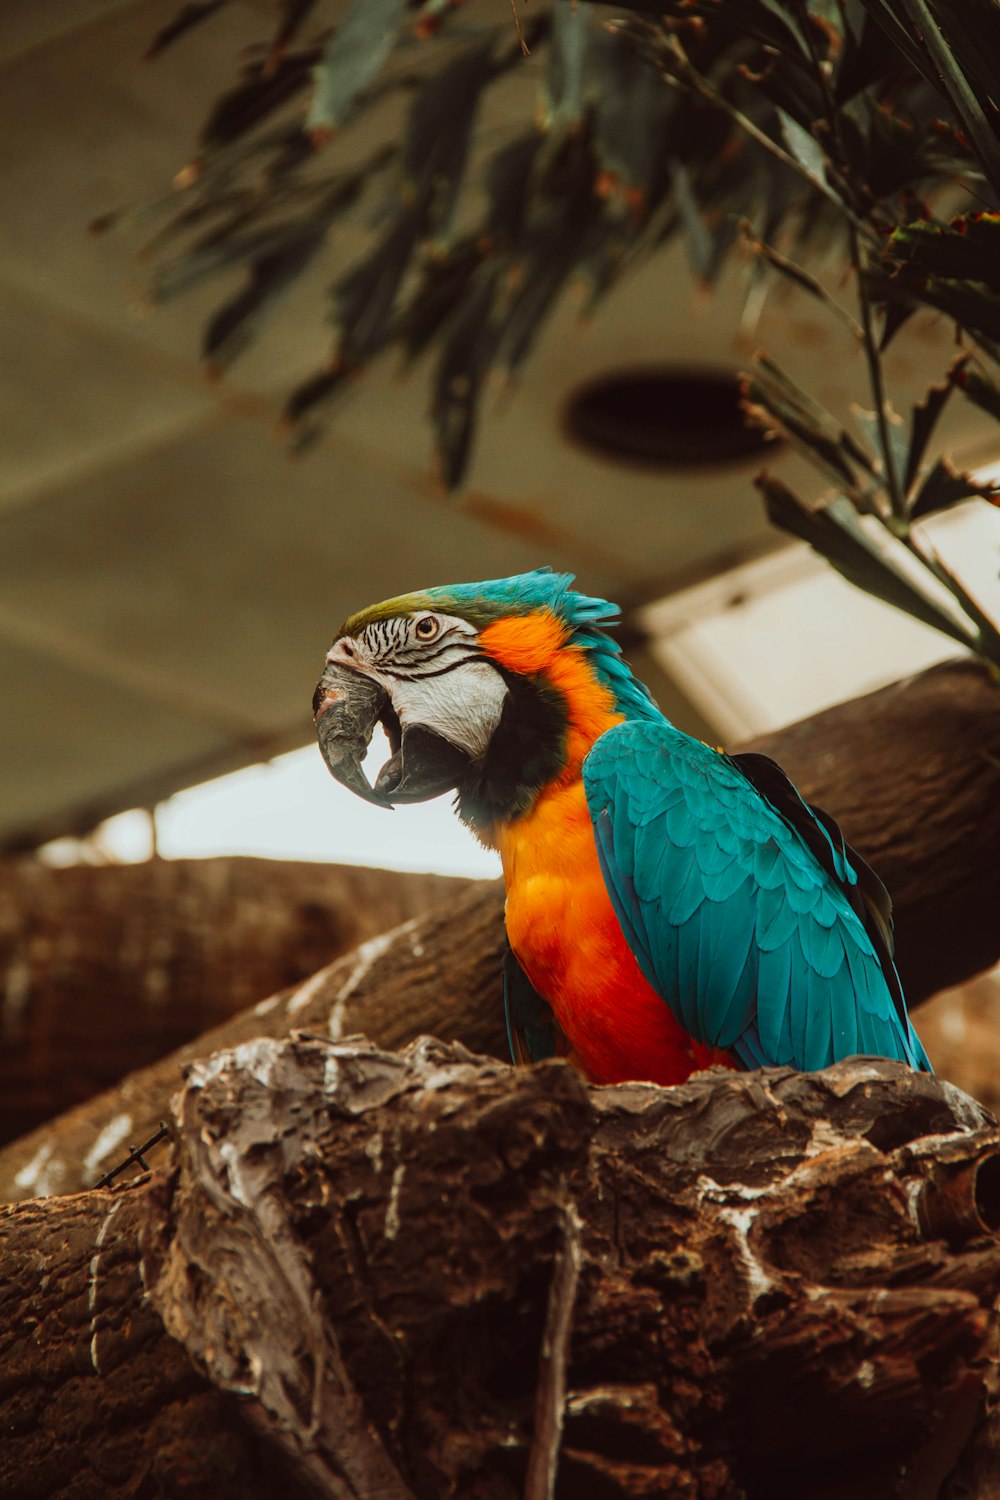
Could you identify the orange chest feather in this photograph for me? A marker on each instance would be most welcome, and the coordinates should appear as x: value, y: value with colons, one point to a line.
x: 559, y: 917
x: 564, y: 931
x: 560, y: 921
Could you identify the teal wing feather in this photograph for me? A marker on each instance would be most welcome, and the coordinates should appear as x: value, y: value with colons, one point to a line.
x: 747, y: 911
x: 532, y: 1032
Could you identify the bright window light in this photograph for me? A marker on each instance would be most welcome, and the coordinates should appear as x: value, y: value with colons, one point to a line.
x: 758, y: 647
x: 290, y: 808
x: 781, y: 638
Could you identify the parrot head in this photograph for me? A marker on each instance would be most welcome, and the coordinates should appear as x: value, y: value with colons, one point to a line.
x: 487, y: 689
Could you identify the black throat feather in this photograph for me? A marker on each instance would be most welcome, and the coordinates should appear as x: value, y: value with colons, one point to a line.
x: 527, y: 751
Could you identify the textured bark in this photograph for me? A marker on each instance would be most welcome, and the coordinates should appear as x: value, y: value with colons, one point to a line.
x: 97, y: 1403
x: 438, y: 973
x: 429, y: 1275
x: 103, y: 970
x: 913, y: 772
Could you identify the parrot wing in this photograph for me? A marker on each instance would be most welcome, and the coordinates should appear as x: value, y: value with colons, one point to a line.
x: 532, y: 1030
x: 746, y: 909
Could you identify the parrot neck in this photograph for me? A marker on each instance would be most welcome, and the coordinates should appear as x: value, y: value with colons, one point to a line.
x: 558, y: 705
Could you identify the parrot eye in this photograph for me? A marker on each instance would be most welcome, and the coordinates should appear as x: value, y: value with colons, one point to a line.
x: 426, y: 628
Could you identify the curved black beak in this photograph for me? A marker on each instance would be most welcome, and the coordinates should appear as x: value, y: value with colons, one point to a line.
x: 346, y: 707
x: 424, y: 766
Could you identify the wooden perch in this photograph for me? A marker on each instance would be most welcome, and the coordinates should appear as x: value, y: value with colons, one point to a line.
x: 429, y: 1274
x: 913, y: 772
x: 104, y: 969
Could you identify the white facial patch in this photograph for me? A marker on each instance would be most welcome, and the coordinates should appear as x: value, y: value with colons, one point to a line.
x: 463, y: 705
x: 430, y: 666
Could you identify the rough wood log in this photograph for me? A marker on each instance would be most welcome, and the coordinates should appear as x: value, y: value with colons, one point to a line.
x: 429, y: 1275
x: 97, y: 1403
x: 912, y: 771
x: 438, y: 972
x: 104, y: 969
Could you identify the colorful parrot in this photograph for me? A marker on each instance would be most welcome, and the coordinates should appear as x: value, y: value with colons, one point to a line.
x: 668, y: 906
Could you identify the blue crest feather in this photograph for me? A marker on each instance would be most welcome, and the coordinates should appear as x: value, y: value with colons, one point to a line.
x: 587, y: 618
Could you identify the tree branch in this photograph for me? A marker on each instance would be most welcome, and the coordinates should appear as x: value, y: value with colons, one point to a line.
x: 107, y: 968
x: 363, y: 1262
x: 911, y: 772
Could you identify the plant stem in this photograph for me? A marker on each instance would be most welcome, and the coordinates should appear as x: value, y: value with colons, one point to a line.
x: 897, y: 499
x: 957, y: 88
x: 697, y: 83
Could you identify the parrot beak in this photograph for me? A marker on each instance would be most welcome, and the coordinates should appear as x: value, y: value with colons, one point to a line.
x: 424, y: 766
x: 346, y: 707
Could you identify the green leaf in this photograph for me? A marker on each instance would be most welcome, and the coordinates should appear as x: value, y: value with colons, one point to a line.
x: 236, y: 323
x: 632, y: 111
x: 783, y: 19
x: 834, y: 530
x: 804, y: 147
x: 866, y: 56
x: 798, y: 276
x: 966, y: 60
x: 771, y: 22
x: 972, y: 308
x: 923, y: 421
x: 793, y: 89
x: 968, y: 303
x: 885, y: 150
x: 187, y: 17
x: 899, y: 442
x: 310, y: 399
x: 351, y: 58
x: 259, y: 95
x: 808, y: 427
x: 442, y: 287
x: 700, y: 243
x: 562, y: 102
x: 903, y: 39
x: 968, y: 248
x: 293, y: 16
x: 550, y: 245
x: 364, y: 300
x: 555, y: 249
x: 505, y: 182
x: 225, y: 247
x: 945, y: 487
x: 978, y: 387
x: 466, y: 355
x: 896, y: 313
x: 439, y: 128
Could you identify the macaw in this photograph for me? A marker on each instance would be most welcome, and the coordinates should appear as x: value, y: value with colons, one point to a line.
x: 669, y: 906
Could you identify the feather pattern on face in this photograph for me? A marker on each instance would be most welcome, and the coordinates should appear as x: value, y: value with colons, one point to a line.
x: 668, y: 906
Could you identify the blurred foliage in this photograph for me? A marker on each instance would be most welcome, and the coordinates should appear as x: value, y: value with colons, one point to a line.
x: 785, y: 126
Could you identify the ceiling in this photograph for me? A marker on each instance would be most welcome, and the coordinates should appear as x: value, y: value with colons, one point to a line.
x: 169, y: 577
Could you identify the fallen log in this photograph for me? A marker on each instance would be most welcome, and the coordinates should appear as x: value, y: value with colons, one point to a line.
x: 103, y: 969
x: 429, y: 1274
x: 441, y: 969
x: 912, y: 773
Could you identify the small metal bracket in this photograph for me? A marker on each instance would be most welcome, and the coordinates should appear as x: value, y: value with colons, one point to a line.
x: 135, y: 1154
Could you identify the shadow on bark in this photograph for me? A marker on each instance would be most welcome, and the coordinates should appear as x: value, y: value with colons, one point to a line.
x: 428, y: 1274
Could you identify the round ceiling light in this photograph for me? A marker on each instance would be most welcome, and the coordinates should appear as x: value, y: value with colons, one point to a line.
x: 665, y: 415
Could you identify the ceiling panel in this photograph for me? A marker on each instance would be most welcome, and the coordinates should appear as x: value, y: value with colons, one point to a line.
x: 169, y: 579
x: 69, y: 735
